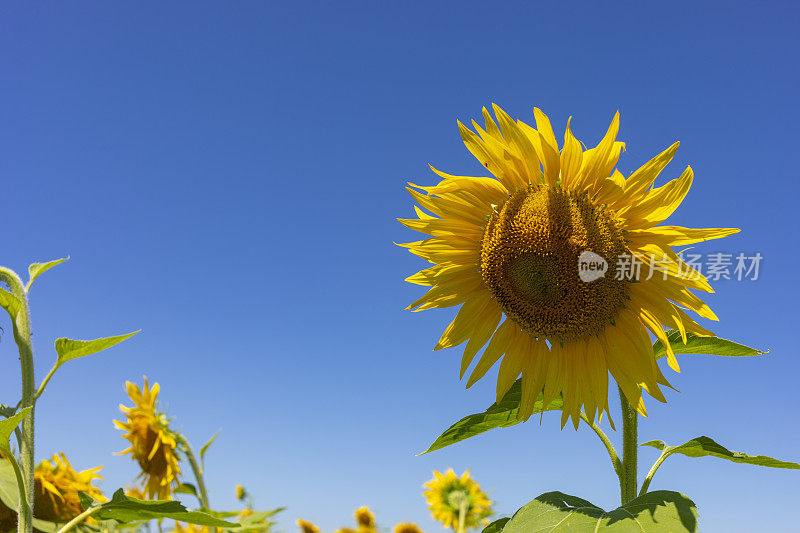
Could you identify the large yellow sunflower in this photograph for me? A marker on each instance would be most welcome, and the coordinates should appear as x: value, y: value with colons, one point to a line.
x: 508, y: 248
x: 153, y: 444
x: 449, y: 495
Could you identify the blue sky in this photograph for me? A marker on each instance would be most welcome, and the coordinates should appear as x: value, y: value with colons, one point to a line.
x: 226, y: 177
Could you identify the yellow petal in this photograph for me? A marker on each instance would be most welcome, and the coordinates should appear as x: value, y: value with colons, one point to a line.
x: 571, y: 158
x: 548, y: 145
x: 642, y: 179
x: 485, y: 326
x: 494, y: 350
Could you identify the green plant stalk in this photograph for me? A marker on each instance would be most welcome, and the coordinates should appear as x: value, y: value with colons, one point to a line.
x: 462, y: 515
x: 22, y: 336
x: 630, y: 447
x: 612, y: 453
x: 196, y: 469
x: 661, y: 458
x: 80, y: 518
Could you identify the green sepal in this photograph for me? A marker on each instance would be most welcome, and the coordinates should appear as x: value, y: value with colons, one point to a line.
x: 661, y: 511
x: 125, y: 509
x: 500, y: 415
x: 704, y: 446
x: 37, y: 269
x: 697, y: 344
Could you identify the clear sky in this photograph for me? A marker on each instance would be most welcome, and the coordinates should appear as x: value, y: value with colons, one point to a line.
x: 226, y: 177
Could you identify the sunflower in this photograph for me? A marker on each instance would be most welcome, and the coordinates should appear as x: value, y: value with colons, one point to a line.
x: 306, y: 526
x: 153, y: 445
x: 508, y: 250
x: 407, y: 528
x: 56, y: 485
x: 449, y: 495
x: 345, y: 530
x: 365, y: 519
x: 55, y: 490
x: 135, y: 492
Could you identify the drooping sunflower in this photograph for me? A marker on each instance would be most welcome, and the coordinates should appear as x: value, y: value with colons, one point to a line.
x: 153, y: 444
x: 407, y: 528
x: 55, y: 490
x: 306, y: 526
x: 56, y: 484
x: 448, y: 493
x: 509, y: 250
x: 135, y: 492
x: 364, y: 518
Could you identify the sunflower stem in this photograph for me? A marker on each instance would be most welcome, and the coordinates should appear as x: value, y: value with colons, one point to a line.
x: 612, y: 452
x: 22, y: 336
x: 80, y: 518
x: 630, y: 447
x: 462, y: 515
x: 198, y: 471
x: 646, y: 483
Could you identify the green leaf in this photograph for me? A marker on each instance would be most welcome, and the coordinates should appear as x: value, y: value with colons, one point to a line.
x: 204, y: 449
x: 496, y: 526
x: 499, y: 415
x: 125, y: 509
x: 7, y: 427
x: 222, y: 514
x: 68, y: 349
x: 36, y: 269
x: 704, y: 446
x: 661, y: 511
x: 9, y: 495
x: 10, y: 303
x: 187, y: 488
x: 695, y: 344
x: 257, y: 521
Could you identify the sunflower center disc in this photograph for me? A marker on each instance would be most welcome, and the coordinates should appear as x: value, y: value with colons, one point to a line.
x: 529, y: 262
